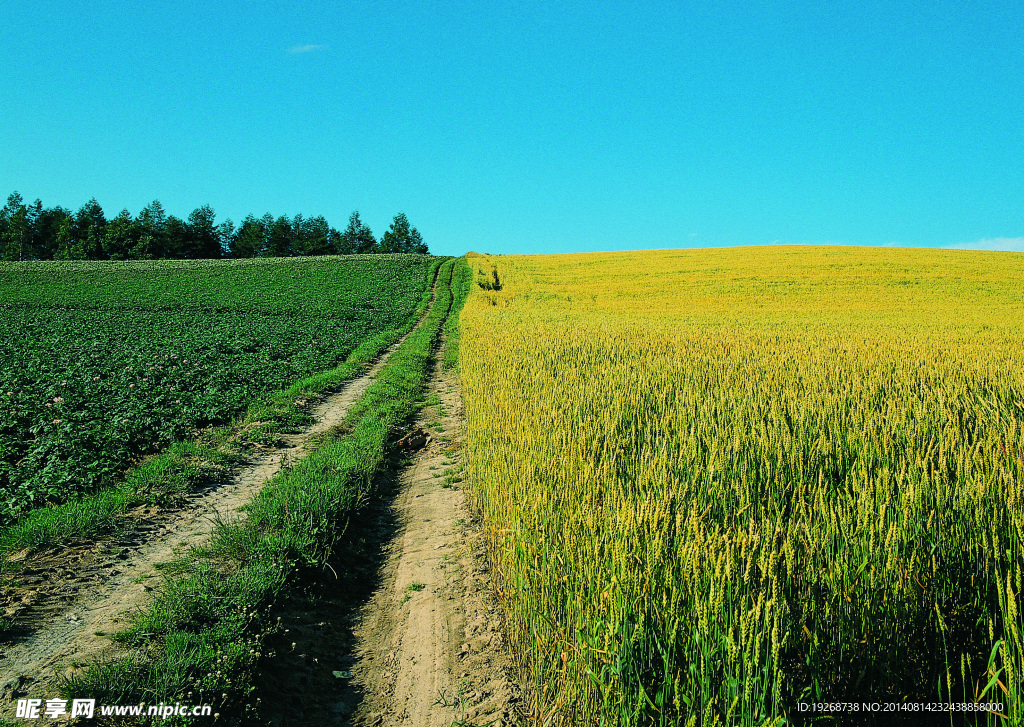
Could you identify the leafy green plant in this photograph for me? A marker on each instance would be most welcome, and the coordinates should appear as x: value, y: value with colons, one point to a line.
x: 102, y: 364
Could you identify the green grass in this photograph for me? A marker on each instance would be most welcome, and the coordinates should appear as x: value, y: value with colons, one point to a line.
x: 202, y: 638
x: 461, y: 283
x: 413, y: 587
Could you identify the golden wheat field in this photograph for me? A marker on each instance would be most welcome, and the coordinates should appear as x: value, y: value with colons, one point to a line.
x: 721, y: 483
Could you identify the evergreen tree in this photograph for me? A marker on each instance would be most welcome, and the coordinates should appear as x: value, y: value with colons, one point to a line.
x: 45, y: 230
x: 402, y: 237
x: 416, y: 244
x: 357, y: 239
x: 251, y: 238
x: 32, y: 249
x: 297, y: 242
x: 145, y: 247
x: 225, y: 237
x: 279, y: 238
x: 334, y: 242
x: 202, y: 239
x: 312, y: 236
x: 152, y: 223
x: 89, y: 229
x: 32, y: 232
x: 69, y: 247
x: 176, y: 239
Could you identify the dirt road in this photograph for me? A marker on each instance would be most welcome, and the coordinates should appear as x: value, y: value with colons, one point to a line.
x: 407, y: 633
x: 430, y: 648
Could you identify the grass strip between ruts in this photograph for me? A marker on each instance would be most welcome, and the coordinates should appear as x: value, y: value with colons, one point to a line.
x: 201, y: 639
x: 187, y: 465
x: 462, y: 279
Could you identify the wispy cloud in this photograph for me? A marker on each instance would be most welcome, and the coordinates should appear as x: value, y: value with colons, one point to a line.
x: 1009, y: 244
x: 309, y: 48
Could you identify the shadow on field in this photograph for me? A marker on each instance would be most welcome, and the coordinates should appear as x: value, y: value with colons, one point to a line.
x: 305, y: 677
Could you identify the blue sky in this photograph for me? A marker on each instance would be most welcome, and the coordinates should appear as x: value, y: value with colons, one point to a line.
x: 532, y: 127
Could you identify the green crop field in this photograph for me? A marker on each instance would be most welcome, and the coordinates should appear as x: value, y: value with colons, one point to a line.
x: 102, y: 363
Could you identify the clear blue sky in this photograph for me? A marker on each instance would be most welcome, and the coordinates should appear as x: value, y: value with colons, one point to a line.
x: 532, y: 126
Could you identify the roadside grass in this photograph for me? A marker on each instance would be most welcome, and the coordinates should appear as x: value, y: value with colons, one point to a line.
x: 185, y: 466
x: 202, y: 638
x: 462, y: 280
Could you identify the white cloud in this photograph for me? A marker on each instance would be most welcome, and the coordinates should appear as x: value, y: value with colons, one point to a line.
x: 305, y: 48
x: 1010, y: 244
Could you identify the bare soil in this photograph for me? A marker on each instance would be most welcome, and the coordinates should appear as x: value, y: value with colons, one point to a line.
x: 68, y: 599
x: 404, y: 630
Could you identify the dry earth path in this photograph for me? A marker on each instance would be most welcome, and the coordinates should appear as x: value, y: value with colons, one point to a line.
x: 430, y: 647
x: 75, y: 604
x: 408, y: 632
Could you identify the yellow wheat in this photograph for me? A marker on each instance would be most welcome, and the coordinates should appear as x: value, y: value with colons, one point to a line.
x: 719, y: 482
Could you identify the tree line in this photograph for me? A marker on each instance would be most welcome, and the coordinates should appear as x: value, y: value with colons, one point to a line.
x: 32, y: 232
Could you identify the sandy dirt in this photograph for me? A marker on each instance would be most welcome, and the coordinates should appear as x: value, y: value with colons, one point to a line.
x: 407, y: 632
x: 65, y: 611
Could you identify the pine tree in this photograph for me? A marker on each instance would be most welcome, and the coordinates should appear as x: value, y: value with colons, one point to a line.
x: 416, y: 244
x: 402, y: 237
x: 201, y: 234
x: 312, y: 236
x: 152, y: 222
x: 279, y: 238
x: 45, y: 230
x: 120, y: 237
x: 89, y: 228
x: 357, y: 239
x: 225, y: 236
x: 251, y: 238
x: 176, y: 239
